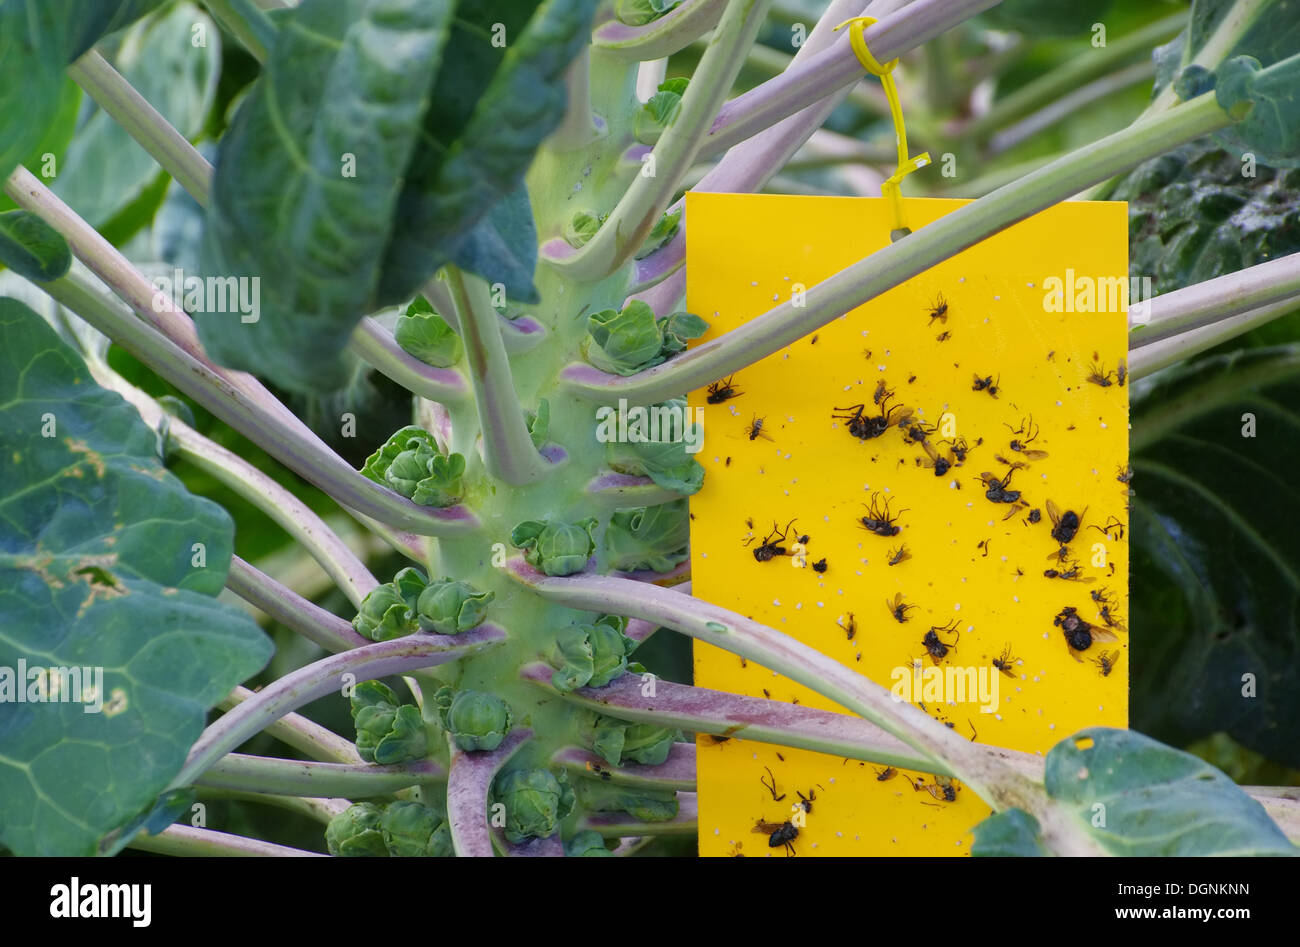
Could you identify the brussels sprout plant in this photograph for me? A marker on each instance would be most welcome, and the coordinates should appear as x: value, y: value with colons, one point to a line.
x: 411, y: 298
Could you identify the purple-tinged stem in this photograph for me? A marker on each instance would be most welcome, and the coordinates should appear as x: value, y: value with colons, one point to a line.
x: 508, y: 450
x: 659, y: 38
x: 264, y: 774
x: 291, y: 609
x: 620, y: 823
x: 185, y: 840
x: 325, y: 677
x: 305, y: 736
x: 551, y: 847
x: 618, y: 491
x: 468, y: 784
x: 376, y: 346
x: 521, y: 335
x: 676, y: 773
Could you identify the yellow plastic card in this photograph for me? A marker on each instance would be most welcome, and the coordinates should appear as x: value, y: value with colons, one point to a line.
x: 981, y: 409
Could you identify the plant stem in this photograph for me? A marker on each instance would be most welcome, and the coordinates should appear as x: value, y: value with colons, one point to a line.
x: 1215, y: 300
x: 898, y: 262
x: 184, y: 840
x: 144, y: 123
x: 659, y: 38
x: 243, y: 403
x: 580, y: 126
x: 468, y: 783
x: 832, y: 69
x: 508, y: 450
x: 1074, y: 73
x: 321, y: 810
x: 700, y: 710
x: 676, y: 773
x: 264, y: 774
x: 1151, y: 358
x: 635, y: 215
x: 305, y: 736
x: 376, y: 346
x: 290, y: 609
x: 324, y: 677
x: 243, y: 20
x: 618, y: 824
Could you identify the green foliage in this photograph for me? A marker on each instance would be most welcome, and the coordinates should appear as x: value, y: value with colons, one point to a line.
x: 1214, y: 552
x: 424, y: 334
x: 590, y: 655
x: 451, y: 606
x: 1047, y: 17
x: 587, y: 844
x: 648, y: 537
x: 535, y: 801
x: 660, y: 110
x: 665, y: 459
x: 32, y: 248
x: 539, y: 423
x: 388, y: 731
x: 641, y: 12
x: 1010, y: 834
x: 475, y: 720
x: 411, y: 464
x: 391, y: 610
x: 412, y: 830
x: 582, y: 227
x: 99, y: 569
x: 556, y: 548
x: 644, y: 805
x: 630, y: 340
x: 618, y: 740
x: 357, y: 831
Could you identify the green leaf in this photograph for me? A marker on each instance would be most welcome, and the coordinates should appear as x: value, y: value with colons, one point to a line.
x: 1215, y: 552
x: 1138, y: 797
x: 426, y: 336
x: 644, y: 805
x: 45, y: 159
x: 648, y: 537
x: 1269, y: 101
x: 38, y: 40
x: 1013, y: 833
x: 105, y: 170
x: 502, y: 247
x: 1047, y: 17
x: 32, y: 248
x: 641, y: 12
x: 100, y: 568
x: 307, y: 182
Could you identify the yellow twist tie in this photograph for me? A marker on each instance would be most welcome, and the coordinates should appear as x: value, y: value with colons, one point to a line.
x: 906, y: 165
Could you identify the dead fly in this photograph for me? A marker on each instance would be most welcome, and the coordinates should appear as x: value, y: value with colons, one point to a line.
x: 987, y: 383
x: 1074, y: 574
x: 1079, y: 635
x: 941, y: 465
x: 934, y: 646
x: 1099, y: 375
x: 1005, y: 662
x: 1111, y: 523
x: 1064, y: 525
x: 1062, y: 555
x: 819, y: 565
x: 899, y: 555
x: 942, y: 788
x: 805, y: 802
x: 769, y: 547
x: 1034, y: 515
x: 960, y: 449
x: 1012, y: 464
x: 721, y: 391
x: 996, y: 490
x: 1101, y: 596
x: 888, y: 773
x: 1106, y: 662
x: 864, y: 428
x: 728, y: 463
x: 1112, y: 621
x: 915, y: 430
x: 880, y: 521
x: 939, y: 310
x: 897, y: 608
x: 1030, y: 431
x: 717, y: 739
x: 849, y: 624
x: 943, y: 336
x: 813, y: 340
x: 1124, y: 474
x: 778, y: 834
x: 882, y: 393
x: 1121, y: 372
x: 771, y: 787
x: 756, y: 429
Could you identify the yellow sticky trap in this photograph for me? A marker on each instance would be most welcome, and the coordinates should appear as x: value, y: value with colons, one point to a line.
x: 993, y: 317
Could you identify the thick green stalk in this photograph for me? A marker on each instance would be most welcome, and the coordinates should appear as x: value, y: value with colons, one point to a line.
x: 264, y: 774
x: 290, y: 609
x: 184, y: 840
x: 305, y: 736
x: 1149, y: 359
x: 376, y: 346
x: 659, y: 38
x: 617, y: 825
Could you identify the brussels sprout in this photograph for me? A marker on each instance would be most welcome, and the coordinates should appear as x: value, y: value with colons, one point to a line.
x: 423, y: 333
x: 582, y: 228
x: 646, y: 805
x: 678, y: 329
x: 556, y: 548
x: 388, y: 611
x: 452, y: 606
x: 618, y: 740
x: 640, y: 12
x: 475, y: 720
x: 539, y: 423
x: 587, y: 844
x: 660, y: 110
x: 572, y: 655
x: 387, y: 730
x: 623, y: 342
x: 590, y: 654
x: 356, y: 831
x: 663, y: 231
x: 535, y: 800
x: 648, y: 537
x: 412, y: 465
x: 667, y: 462
x: 412, y: 830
